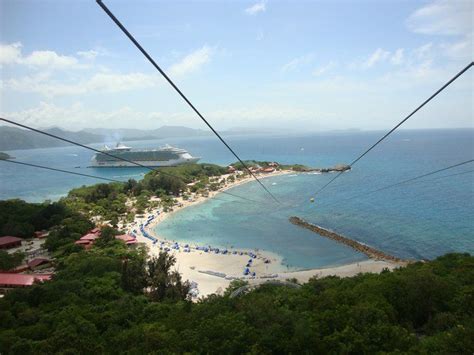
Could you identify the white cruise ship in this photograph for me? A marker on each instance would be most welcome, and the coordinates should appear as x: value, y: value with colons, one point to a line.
x: 164, y: 156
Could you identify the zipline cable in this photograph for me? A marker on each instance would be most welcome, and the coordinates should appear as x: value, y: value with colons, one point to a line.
x: 86, y: 175
x: 59, y: 170
x: 157, y: 67
x: 108, y: 154
x: 400, y: 123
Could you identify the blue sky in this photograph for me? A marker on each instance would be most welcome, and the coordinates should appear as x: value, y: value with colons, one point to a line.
x: 305, y: 65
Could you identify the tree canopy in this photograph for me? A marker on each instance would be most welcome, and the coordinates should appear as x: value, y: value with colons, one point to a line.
x: 111, y: 299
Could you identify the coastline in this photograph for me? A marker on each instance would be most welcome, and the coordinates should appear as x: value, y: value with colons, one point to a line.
x: 211, y: 271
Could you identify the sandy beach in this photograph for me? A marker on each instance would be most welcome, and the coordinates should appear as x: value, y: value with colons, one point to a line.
x: 211, y: 271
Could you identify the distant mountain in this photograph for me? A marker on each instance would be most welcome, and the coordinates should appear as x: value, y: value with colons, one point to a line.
x: 12, y: 138
x: 135, y: 134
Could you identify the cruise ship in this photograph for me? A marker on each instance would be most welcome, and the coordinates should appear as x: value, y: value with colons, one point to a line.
x: 164, y: 156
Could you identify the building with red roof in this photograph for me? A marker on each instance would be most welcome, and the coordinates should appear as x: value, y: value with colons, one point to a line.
x: 10, y: 280
x: 88, y: 239
x: 41, y: 234
x: 38, y: 263
x: 9, y: 242
x: 127, y: 239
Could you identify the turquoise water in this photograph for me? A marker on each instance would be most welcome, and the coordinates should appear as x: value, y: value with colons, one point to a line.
x: 420, y: 220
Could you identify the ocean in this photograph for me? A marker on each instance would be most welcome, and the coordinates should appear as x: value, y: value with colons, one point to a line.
x: 419, y: 220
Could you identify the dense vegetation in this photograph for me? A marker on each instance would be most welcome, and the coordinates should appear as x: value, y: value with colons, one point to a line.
x: 107, y: 300
x: 10, y: 261
x: 121, y: 201
x: 21, y: 219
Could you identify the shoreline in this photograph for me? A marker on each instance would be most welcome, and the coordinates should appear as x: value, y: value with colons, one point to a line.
x: 211, y: 270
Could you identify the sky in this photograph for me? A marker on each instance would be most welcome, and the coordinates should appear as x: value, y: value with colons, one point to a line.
x: 296, y: 65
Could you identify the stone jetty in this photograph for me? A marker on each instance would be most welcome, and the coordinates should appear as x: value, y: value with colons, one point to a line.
x: 369, y: 251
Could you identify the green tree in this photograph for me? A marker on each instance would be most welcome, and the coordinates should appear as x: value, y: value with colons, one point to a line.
x: 162, y: 281
x: 10, y: 261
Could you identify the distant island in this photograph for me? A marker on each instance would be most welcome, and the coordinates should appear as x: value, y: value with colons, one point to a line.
x: 12, y: 138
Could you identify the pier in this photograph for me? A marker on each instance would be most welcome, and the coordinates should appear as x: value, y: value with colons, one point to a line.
x: 369, y: 251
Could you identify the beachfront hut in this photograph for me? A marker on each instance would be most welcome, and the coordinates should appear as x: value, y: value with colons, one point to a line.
x: 90, y: 237
x: 39, y: 263
x: 87, y: 240
x: 12, y: 280
x: 9, y: 242
x: 41, y: 234
x: 127, y: 239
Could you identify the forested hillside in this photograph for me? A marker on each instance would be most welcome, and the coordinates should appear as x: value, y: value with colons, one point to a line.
x: 110, y: 300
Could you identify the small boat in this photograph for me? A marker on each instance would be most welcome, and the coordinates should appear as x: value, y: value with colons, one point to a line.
x: 311, y: 199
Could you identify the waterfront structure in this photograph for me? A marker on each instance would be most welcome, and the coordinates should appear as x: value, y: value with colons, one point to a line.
x: 127, y: 239
x: 10, y: 280
x: 39, y: 263
x: 9, y: 242
x: 164, y: 156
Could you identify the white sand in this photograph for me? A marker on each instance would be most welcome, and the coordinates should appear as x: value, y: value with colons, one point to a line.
x: 191, y: 265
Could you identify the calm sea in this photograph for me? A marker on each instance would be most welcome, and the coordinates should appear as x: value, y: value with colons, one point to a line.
x: 418, y: 220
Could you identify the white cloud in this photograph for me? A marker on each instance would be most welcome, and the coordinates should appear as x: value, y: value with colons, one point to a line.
x: 423, y: 51
x: 325, y: 68
x: 191, y: 62
x: 256, y: 8
x: 10, y: 53
x: 98, y: 83
x: 459, y: 50
x: 89, y: 55
x: 77, y: 116
x: 297, y: 62
x: 443, y: 17
x: 378, y: 56
x: 49, y: 59
x: 397, y: 57
x: 449, y: 18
